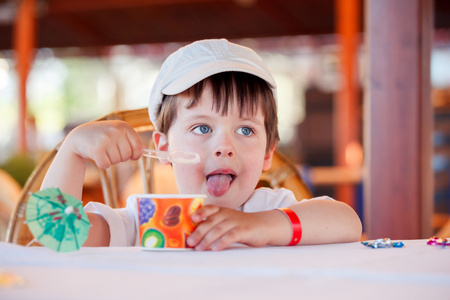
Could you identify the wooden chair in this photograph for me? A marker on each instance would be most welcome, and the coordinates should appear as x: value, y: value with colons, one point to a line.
x: 281, y: 174
x: 9, y: 193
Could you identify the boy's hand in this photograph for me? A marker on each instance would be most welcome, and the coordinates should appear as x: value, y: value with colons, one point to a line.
x: 220, y: 227
x: 105, y: 142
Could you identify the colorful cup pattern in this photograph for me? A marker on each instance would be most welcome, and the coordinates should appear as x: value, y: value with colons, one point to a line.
x: 166, y: 222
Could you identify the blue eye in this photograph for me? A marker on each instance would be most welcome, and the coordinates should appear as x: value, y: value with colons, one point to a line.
x: 245, y: 131
x: 202, y: 129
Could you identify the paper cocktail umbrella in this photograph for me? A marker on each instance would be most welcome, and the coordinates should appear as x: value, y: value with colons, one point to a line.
x: 57, y: 220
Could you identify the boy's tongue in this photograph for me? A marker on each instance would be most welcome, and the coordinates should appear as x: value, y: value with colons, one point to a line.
x: 218, y: 184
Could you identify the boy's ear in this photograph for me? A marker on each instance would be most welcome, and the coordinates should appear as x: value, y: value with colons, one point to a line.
x: 160, y: 141
x: 268, y: 158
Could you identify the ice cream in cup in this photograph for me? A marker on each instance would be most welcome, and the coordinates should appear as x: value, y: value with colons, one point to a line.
x: 165, y: 220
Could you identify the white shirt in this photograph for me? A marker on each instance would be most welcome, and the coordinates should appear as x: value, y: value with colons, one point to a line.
x: 123, y: 222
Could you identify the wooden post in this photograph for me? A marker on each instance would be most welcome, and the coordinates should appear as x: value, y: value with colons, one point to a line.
x: 398, y: 120
x: 24, y: 40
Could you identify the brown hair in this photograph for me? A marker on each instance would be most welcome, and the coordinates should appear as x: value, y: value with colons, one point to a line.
x: 250, y: 92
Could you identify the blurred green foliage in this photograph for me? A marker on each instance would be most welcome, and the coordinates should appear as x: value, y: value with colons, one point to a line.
x: 19, y: 166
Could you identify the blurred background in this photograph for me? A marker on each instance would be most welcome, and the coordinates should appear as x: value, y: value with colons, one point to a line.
x: 84, y: 59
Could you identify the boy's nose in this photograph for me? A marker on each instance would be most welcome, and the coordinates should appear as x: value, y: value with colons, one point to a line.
x: 224, y: 147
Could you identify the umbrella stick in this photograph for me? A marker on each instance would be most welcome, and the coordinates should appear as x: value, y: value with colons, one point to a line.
x: 31, y: 243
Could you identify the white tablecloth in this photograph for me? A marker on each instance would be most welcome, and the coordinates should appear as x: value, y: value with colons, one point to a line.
x: 340, y: 271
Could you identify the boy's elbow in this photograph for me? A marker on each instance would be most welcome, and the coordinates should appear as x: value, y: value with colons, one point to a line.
x: 356, y: 231
x: 350, y: 229
x: 354, y: 228
x: 99, y: 234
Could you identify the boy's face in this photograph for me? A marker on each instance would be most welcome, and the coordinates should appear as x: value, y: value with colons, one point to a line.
x: 231, y: 148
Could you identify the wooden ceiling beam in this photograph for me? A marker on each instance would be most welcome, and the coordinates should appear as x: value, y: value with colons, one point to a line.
x: 64, y: 6
x: 81, y: 31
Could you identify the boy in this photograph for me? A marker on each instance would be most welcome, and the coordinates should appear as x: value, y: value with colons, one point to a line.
x: 217, y: 99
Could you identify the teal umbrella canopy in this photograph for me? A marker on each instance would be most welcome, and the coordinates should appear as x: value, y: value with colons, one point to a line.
x: 57, y: 220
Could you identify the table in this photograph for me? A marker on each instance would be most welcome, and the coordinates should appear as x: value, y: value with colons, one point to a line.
x: 337, y: 271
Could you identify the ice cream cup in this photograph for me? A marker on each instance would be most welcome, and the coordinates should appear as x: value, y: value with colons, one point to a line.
x: 165, y: 220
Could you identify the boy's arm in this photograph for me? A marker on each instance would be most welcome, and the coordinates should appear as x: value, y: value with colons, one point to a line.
x: 323, y: 222
x: 105, y: 143
x: 327, y: 221
x: 66, y: 172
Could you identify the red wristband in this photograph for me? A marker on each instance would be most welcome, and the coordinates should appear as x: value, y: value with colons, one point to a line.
x: 296, y: 225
